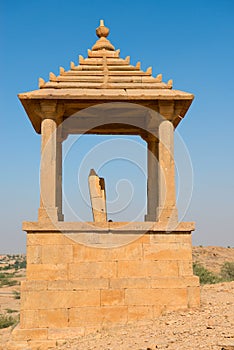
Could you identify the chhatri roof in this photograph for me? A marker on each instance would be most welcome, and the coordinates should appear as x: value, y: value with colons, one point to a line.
x: 103, y: 74
x: 103, y: 77
x: 104, y: 69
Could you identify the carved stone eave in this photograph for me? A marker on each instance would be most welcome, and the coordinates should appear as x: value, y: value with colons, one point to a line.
x: 73, y: 102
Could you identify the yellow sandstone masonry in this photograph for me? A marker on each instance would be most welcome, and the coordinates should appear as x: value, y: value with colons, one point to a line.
x: 175, y: 282
x: 42, y: 239
x: 175, y: 296
x: 32, y: 333
x: 131, y: 282
x: 47, y: 272
x: 131, y: 251
x: 59, y: 299
x: 147, y: 269
x: 34, y: 254
x: 56, y: 318
x: 167, y: 251
x: 29, y: 319
x: 98, y: 315
x: 80, y: 284
x: 112, y: 297
x: 34, y: 285
x: 171, y: 238
x: 92, y: 270
x: 137, y: 313
x: 185, y: 268
x: 65, y: 333
x: 56, y: 254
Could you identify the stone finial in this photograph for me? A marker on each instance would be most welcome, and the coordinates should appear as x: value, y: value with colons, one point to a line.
x: 102, y: 30
x: 102, y: 43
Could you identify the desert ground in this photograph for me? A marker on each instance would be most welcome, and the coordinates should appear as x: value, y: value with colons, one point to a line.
x: 209, y: 327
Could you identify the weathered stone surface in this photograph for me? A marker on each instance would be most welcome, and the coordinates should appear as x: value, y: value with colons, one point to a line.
x: 112, y: 297
x: 173, y: 297
x: 65, y: 333
x: 92, y: 270
x: 80, y: 284
x: 131, y: 251
x: 31, y: 333
x: 136, y: 313
x: 56, y: 254
x: 56, y: 318
x: 147, y: 269
x: 98, y: 315
x: 97, y: 197
x: 123, y: 283
x: 59, y: 299
x: 167, y: 251
x: 47, y: 272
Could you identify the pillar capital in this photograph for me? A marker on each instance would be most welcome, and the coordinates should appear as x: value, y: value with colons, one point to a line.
x: 166, y: 109
x: 52, y: 110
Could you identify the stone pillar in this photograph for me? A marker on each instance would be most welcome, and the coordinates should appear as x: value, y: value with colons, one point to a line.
x: 167, y: 211
x: 152, y: 180
x: 59, y: 171
x: 51, y: 165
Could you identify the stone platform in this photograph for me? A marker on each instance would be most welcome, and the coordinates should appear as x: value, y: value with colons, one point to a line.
x: 85, y: 276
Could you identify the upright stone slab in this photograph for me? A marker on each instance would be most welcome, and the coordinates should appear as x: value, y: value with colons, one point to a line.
x: 97, y: 196
x: 83, y: 276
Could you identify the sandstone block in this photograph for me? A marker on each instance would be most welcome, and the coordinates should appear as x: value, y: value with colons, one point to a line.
x: 176, y: 282
x: 147, y: 269
x: 80, y: 284
x: 41, y: 239
x: 34, y: 285
x: 185, y: 268
x: 27, y: 334
x: 167, y: 251
x: 59, y: 299
x: 123, y: 283
x: 132, y: 251
x: 65, y: 333
x: 29, y: 319
x: 98, y: 315
x: 136, y: 313
x: 34, y: 254
x: 92, y: 270
x: 146, y: 297
x: 171, y: 238
x: 47, y: 272
x: 112, y: 297
x: 55, y: 254
x: 53, y: 318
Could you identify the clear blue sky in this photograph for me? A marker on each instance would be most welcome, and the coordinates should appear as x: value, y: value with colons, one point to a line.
x: 188, y: 41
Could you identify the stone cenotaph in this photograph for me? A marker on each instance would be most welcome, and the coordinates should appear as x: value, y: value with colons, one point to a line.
x: 82, y: 276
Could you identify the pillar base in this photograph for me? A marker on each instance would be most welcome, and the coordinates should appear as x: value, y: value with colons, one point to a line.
x: 168, y: 215
x: 47, y: 215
